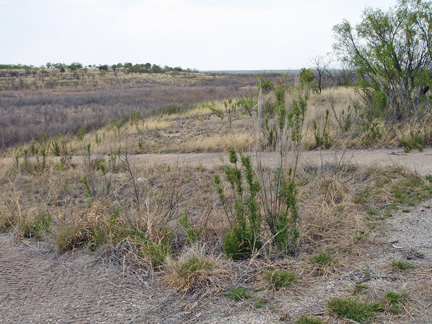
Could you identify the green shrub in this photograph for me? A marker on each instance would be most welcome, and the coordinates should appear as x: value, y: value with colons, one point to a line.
x: 243, y: 236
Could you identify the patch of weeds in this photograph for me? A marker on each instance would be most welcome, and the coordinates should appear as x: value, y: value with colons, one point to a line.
x: 322, y: 258
x: 67, y: 238
x: 370, y: 225
x: 278, y: 278
x: 35, y: 227
x: 391, y: 208
x: 393, y: 300
x: 359, y: 288
x: 406, y: 210
x: 411, y: 191
x: 366, y: 271
x: 157, y: 251
x: 363, y: 197
x: 192, y: 235
x: 87, y: 189
x: 371, y: 212
x: 238, y: 294
x: 260, y: 303
x: 401, y: 265
x: 360, y: 236
x: 353, y: 309
x: 6, y: 222
x: 309, y: 320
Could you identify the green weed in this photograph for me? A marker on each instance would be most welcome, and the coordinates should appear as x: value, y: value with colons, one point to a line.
x: 278, y: 278
x: 238, y: 294
x: 309, y: 320
x: 353, y: 309
x: 401, y: 265
x: 322, y: 258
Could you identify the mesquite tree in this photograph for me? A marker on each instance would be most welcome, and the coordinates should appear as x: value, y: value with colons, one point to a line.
x: 391, y: 53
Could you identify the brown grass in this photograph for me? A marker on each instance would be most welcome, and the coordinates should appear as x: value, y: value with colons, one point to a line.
x: 195, y: 267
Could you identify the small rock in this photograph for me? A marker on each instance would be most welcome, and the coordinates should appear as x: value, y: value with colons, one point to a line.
x: 393, y: 241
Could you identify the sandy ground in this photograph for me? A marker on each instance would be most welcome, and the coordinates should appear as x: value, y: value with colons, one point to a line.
x: 38, y: 285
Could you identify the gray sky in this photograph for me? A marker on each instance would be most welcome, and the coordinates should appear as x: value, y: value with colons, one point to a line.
x: 201, y: 34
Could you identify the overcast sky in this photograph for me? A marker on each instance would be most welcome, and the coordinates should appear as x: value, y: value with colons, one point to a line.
x: 200, y: 34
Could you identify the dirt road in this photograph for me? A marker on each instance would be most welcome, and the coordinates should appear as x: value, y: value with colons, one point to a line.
x: 420, y: 162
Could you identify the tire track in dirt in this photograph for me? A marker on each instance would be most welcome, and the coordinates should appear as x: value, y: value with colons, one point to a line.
x: 37, y: 288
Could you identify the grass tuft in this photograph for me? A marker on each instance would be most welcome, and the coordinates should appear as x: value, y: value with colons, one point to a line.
x: 322, y: 258
x: 192, y: 269
x: 401, y: 265
x: 238, y: 294
x: 353, y: 309
x: 309, y: 320
x: 279, y: 279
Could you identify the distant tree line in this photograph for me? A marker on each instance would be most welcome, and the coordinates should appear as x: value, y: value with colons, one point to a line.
x: 124, y: 67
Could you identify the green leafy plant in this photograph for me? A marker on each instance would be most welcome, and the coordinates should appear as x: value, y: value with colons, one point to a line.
x: 243, y: 236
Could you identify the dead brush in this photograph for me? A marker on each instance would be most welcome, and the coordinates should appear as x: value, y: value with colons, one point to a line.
x: 195, y: 268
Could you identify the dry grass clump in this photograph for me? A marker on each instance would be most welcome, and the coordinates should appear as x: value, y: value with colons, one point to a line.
x: 24, y: 222
x: 329, y: 216
x: 91, y: 227
x: 195, y: 268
